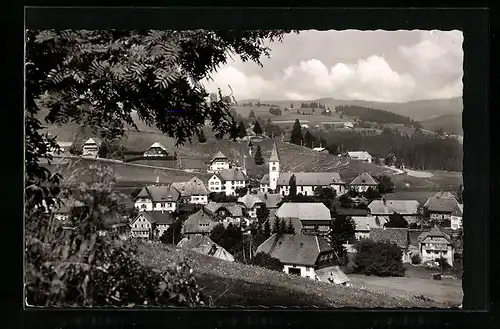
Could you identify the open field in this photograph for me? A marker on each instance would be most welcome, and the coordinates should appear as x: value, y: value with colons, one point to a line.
x: 233, y: 284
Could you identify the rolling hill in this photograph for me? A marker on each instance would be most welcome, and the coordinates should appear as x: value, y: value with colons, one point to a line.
x: 450, y: 123
x: 420, y: 110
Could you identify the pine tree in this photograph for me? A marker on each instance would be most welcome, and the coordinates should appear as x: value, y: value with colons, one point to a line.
x: 267, y: 229
x: 276, y: 226
x: 259, y: 160
x: 257, y: 129
x: 201, y: 137
x: 242, y: 130
x: 296, y: 136
x: 290, y: 229
x: 233, y: 131
x: 293, y: 186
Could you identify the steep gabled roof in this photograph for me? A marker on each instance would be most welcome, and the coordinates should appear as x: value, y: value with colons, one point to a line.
x: 402, y: 207
x: 199, y: 222
x: 304, y: 211
x: 270, y: 199
x: 159, y: 193
x: 459, y: 210
x: 364, y: 179
x: 204, y: 245
x: 294, y: 249
x: 158, y: 145
x: 310, y: 178
x: 156, y: 217
x: 94, y: 140
x: 219, y: 155
x: 399, y: 236
x: 436, y: 233
x: 249, y: 200
x: 231, y: 175
x: 265, y: 179
x: 274, y: 154
x: 359, y: 154
x: 190, y: 188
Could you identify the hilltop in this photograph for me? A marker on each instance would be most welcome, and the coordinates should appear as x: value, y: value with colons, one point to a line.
x: 420, y: 110
x: 450, y: 123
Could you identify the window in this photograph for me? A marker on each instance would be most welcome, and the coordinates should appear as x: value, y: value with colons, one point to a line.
x: 143, y: 206
x: 163, y: 204
x: 305, y: 193
x: 294, y: 271
x: 274, y: 168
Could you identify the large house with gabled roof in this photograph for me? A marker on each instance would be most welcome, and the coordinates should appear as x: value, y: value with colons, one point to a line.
x: 363, y: 182
x: 227, y: 181
x: 91, y: 147
x: 151, y: 224
x: 307, y: 182
x: 301, y: 255
x: 219, y: 162
x: 193, y: 191
x: 157, y: 197
x: 156, y: 150
x: 360, y: 156
x: 434, y: 245
x: 441, y: 205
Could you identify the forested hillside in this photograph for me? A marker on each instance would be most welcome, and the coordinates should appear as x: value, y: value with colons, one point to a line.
x: 451, y: 124
x: 375, y: 115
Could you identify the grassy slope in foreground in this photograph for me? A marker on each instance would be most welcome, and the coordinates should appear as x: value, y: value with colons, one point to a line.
x: 233, y: 284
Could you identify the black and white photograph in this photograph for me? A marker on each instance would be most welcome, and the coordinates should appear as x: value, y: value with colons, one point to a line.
x: 250, y: 168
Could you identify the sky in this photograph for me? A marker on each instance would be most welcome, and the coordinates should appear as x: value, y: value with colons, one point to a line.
x: 381, y: 66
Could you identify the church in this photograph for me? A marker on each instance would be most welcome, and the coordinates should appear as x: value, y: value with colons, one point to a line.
x: 307, y: 182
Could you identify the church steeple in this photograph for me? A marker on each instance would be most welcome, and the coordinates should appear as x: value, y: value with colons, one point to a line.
x: 274, y: 154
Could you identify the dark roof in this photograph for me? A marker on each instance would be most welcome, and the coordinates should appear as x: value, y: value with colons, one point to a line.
x: 232, y: 175
x: 160, y: 193
x: 364, y: 179
x: 434, y: 232
x: 398, y: 236
x: 250, y: 200
x: 219, y: 155
x: 190, y: 188
x: 270, y: 199
x: 157, y: 217
x: 459, y: 210
x: 441, y: 204
x: 196, y: 223
x: 294, y: 249
x: 351, y: 211
x: 234, y: 209
x: 310, y: 178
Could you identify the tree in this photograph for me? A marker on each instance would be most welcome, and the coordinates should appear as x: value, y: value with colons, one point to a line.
x: 233, y: 131
x: 267, y: 228
x: 242, y: 130
x: 257, y: 129
x: 173, y: 234
x: 262, y: 214
x: 217, y: 234
x: 150, y: 72
x: 259, y: 160
x: 396, y: 220
x: 345, y: 201
x: 343, y: 228
x: 293, y: 186
x: 372, y: 194
x: 290, y: 229
x: 75, y: 149
x: 201, y: 137
x: 378, y: 258
x: 241, y: 191
x: 296, y: 136
x: 309, y: 139
x: 251, y: 115
x: 385, y: 184
x: 262, y: 259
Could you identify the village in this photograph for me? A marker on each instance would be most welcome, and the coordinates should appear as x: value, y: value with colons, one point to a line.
x: 292, y: 217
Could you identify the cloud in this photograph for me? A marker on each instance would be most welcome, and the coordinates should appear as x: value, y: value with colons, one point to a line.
x: 373, y: 66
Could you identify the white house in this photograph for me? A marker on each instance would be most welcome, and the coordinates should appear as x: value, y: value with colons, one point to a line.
x: 301, y: 255
x: 227, y: 212
x: 441, y: 205
x: 192, y: 191
x: 219, y: 162
x: 306, y: 182
x: 360, y: 156
x: 348, y: 125
x: 251, y: 203
x: 156, y: 150
x: 91, y: 147
x: 434, y: 245
x: 320, y: 149
x: 158, y: 198
x: 151, y: 224
x: 227, y: 181
x: 457, y: 216
x: 363, y: 182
